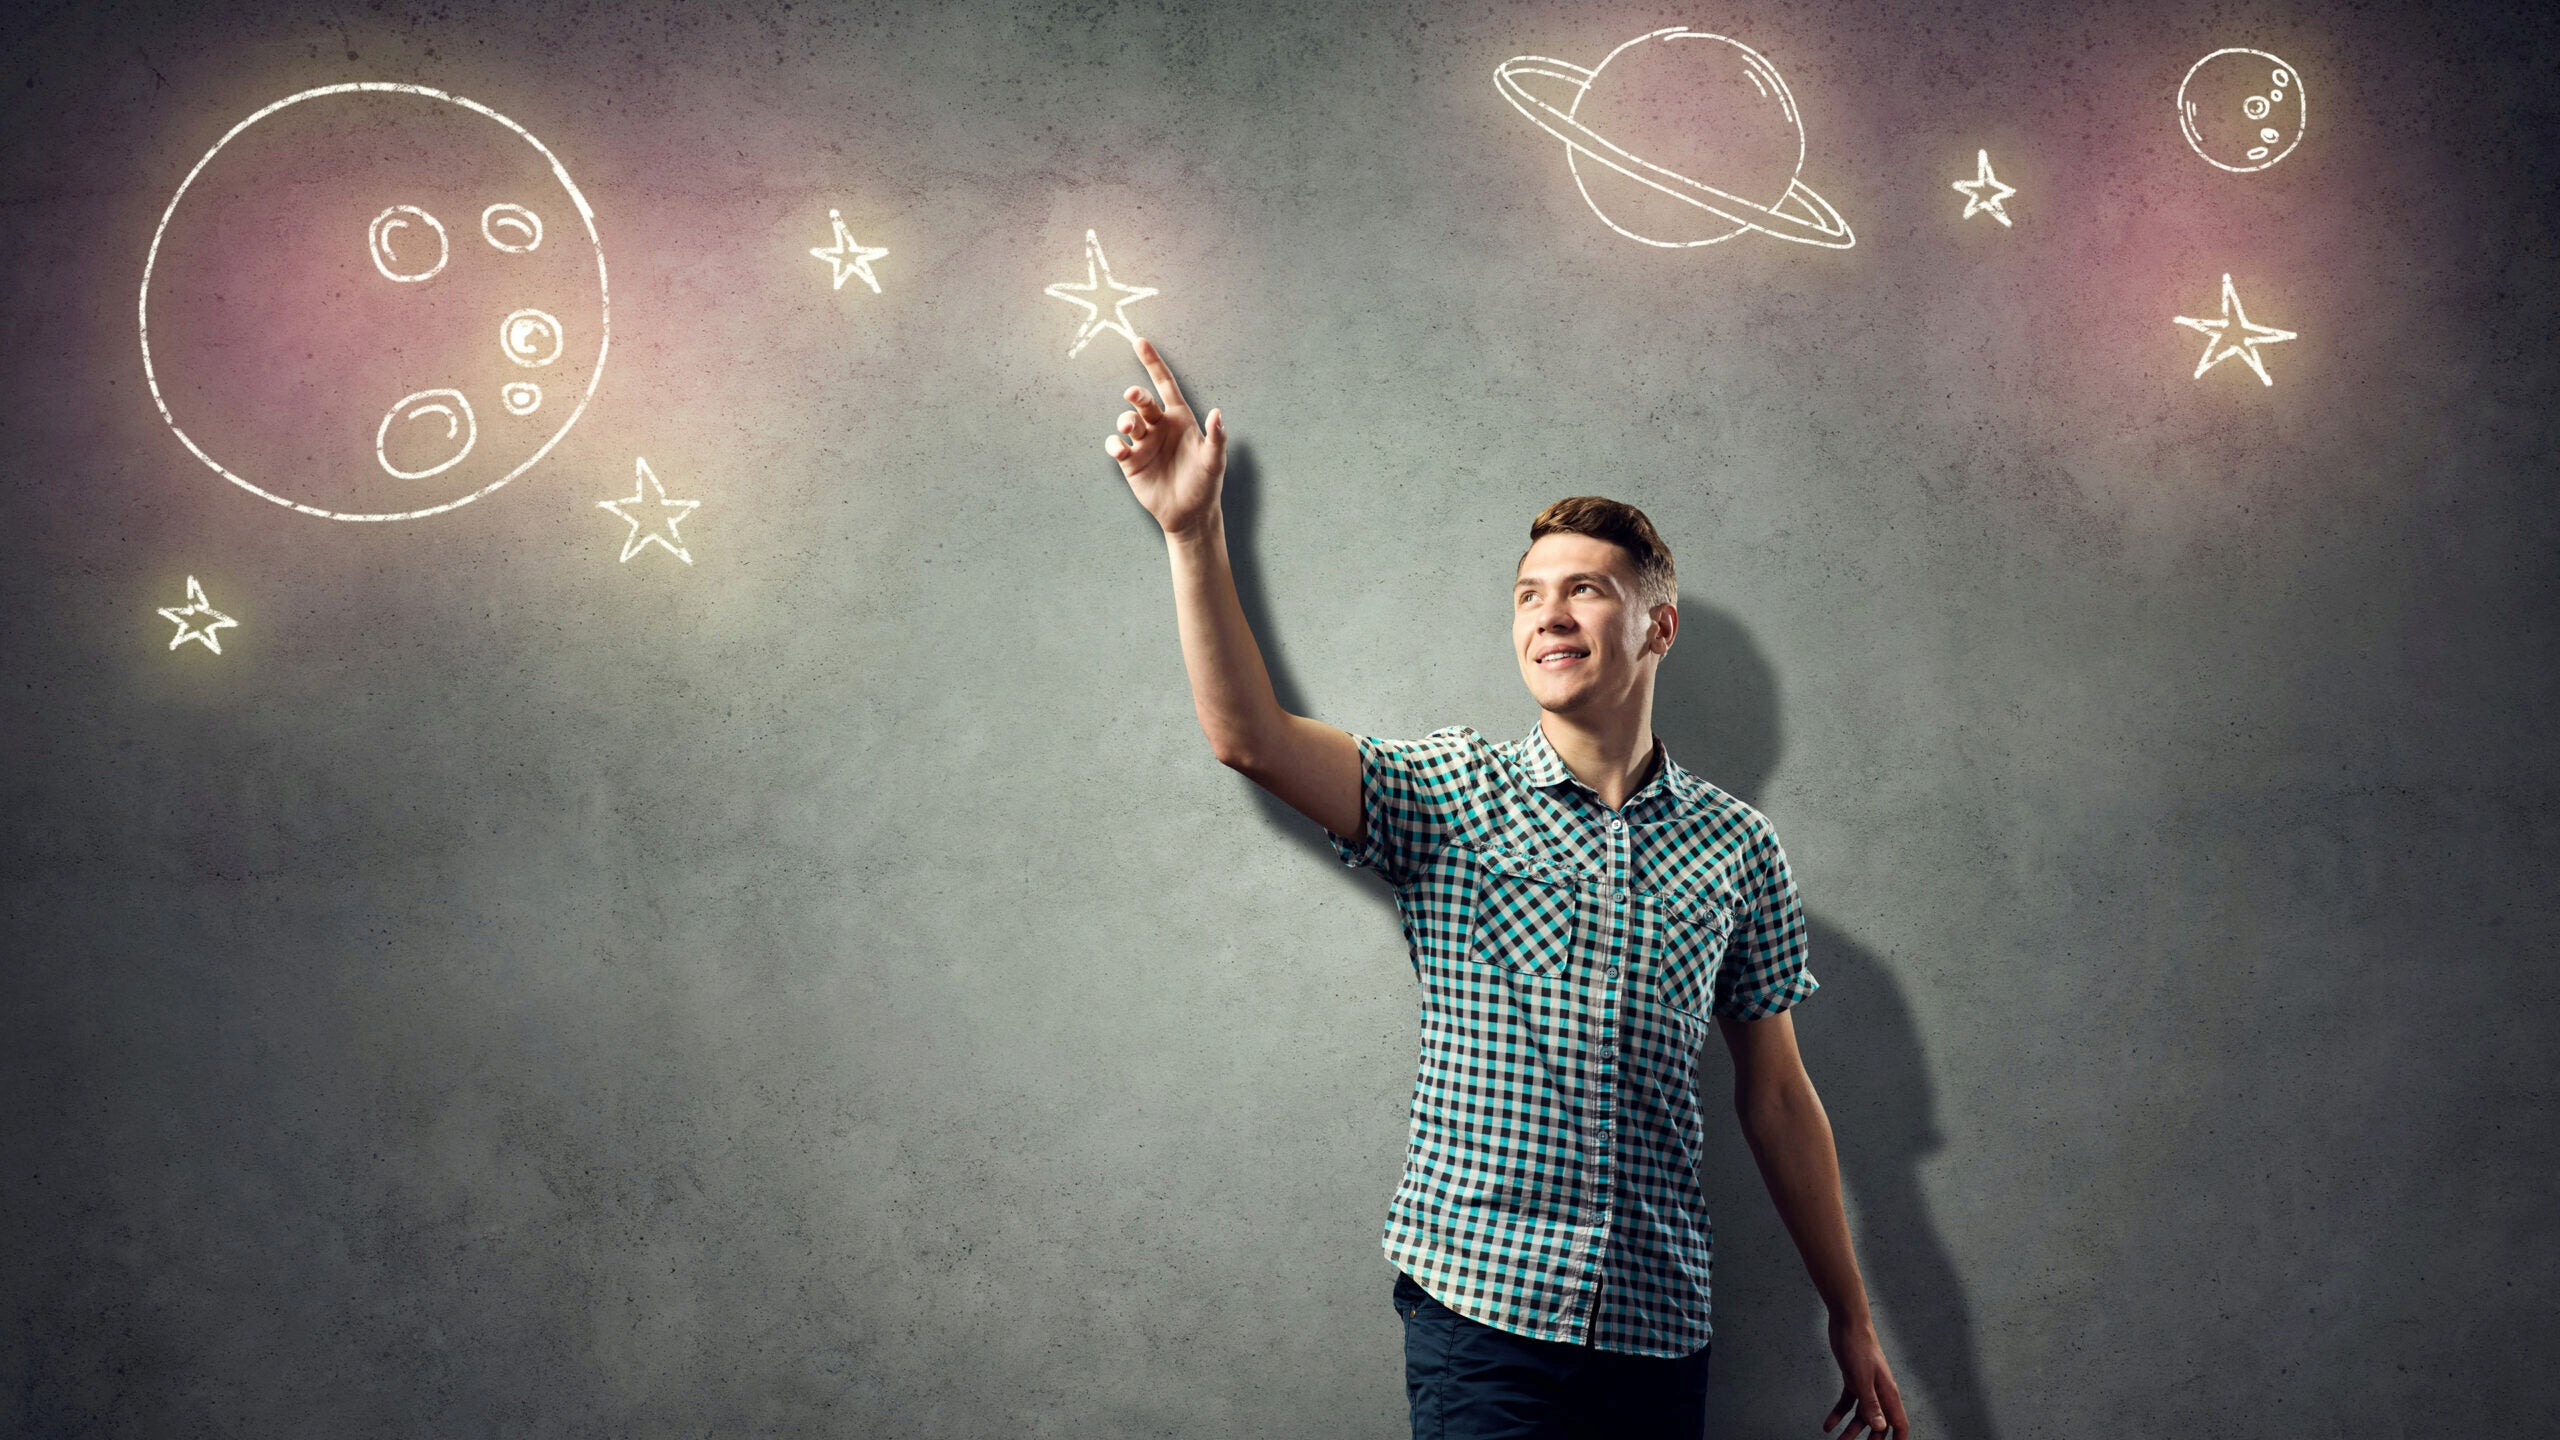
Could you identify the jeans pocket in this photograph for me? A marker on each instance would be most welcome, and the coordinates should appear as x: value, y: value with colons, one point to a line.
x: 1409, y: 1297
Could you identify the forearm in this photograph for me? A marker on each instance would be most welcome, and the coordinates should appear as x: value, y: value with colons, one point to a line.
x: 1230, y: 686
x: 1790, y: 1138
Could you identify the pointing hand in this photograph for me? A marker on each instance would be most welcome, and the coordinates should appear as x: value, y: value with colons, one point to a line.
x: 1173, y: 468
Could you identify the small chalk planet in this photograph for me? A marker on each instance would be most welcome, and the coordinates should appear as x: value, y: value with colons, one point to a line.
x: 1692, y: 139
x: 2241, y: 109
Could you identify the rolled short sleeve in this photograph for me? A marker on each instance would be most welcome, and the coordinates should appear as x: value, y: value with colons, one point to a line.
x: 1410, y: 791
x: 1764, y: 965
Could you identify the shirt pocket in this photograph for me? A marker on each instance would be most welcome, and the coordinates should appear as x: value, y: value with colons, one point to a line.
x: 1695, y: 934
x: 1524, y: 912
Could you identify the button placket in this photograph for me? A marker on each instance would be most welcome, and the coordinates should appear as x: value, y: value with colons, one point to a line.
x: 1599, y: 1212
x: 1619, y: 867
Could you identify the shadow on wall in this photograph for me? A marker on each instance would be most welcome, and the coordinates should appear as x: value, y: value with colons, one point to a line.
x: 1243, y: 500
x: 1716, y: 709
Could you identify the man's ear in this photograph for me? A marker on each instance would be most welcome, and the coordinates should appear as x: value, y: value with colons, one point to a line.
x: 1666, y: 622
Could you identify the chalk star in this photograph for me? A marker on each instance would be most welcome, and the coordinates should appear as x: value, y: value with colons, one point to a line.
x: 2219, y: 341
x: 1984, y: 192
x: 195, y: 606
x: 849, y: 256
x: 677, y: 510
x: 1098, y: 278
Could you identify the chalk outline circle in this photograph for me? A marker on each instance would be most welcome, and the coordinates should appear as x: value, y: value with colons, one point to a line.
x: 2186, y: 122
x: 1786, y: 106
x: 507, y: 340
x: 382, y: 433
x: 374, y: 242
x: 560, y: 172
x: 524, y: 210
x: 508, y: 392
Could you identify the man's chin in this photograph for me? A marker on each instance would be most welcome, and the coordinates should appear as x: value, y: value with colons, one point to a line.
x: 1560, y: 699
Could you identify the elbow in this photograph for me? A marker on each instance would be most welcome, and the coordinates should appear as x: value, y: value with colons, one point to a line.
x: 1240, y: 747
x: 1232, y: 753
x: 1774, y: 1105
x: 1760, y: 1119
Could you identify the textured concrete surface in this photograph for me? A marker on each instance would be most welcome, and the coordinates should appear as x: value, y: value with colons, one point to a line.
x: 830, y: 989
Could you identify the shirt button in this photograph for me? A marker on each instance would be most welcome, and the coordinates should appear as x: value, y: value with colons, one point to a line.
x: 1622, y: 897
x: 1617, y: 824
x: 1613, y: 972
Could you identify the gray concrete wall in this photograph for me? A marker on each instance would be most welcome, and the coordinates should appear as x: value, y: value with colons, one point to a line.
x: 830, y: 989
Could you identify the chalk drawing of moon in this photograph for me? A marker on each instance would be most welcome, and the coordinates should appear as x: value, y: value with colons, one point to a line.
x: 2242, y: 110
x: 317, y: 306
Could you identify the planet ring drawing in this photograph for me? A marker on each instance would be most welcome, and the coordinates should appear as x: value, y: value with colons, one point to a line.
x: 509, y: 228
x: 1799, y: 214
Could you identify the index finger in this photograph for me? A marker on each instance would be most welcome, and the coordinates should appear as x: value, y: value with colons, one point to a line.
x: 1157, y: 372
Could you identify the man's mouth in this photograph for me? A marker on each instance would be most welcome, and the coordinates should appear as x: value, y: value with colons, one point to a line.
x: 1559, y: 659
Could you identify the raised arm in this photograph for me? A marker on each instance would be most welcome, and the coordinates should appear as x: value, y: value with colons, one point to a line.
x: 1178, y: 471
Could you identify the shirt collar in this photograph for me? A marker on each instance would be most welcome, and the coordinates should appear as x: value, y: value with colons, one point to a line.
x: 1542, y: 767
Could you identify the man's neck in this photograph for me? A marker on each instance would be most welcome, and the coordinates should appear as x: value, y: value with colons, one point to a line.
x: 1616, y: 760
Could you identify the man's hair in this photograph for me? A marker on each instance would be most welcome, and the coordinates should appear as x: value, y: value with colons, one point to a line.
x: 1621, y: 525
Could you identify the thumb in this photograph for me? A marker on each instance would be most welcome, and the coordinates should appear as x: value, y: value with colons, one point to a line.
x: 1217, y: 437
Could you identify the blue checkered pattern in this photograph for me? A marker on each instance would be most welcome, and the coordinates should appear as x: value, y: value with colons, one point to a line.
x: 1571, y: 958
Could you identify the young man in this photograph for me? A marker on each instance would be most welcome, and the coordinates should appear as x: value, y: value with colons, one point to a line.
x: 1578, y: 908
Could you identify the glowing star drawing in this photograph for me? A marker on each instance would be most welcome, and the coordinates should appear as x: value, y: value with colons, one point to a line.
x: 1097, y: 278
x: 848, y: 256
x: 646, y: 492
x: 2242, y: 110
x: 271, y: 230
x: 186, y: 616
x: 1983, y: 192
x: 1714, y: 108
x: 2233, y: 334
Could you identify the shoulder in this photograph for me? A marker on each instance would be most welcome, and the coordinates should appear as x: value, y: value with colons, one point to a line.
x: 1443, y: 759
x: 1449, y: 742
x: 1718, y: 810
x: 1731, y: 847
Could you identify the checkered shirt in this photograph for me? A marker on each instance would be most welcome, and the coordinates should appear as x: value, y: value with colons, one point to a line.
x: 1570, y: 958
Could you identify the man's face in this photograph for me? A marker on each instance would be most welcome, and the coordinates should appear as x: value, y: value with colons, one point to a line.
x: 1583, y: 635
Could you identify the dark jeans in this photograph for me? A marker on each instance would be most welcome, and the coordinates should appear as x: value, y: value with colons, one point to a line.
x: 1471, y: 1381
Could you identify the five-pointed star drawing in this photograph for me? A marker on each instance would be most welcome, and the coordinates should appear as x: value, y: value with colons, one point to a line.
x: 1984, y: 192
x: 849, y: 256
x: 646, y: 491
x: 1097, y: 278
x: 195, y: 606
x: 2233, y: 334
